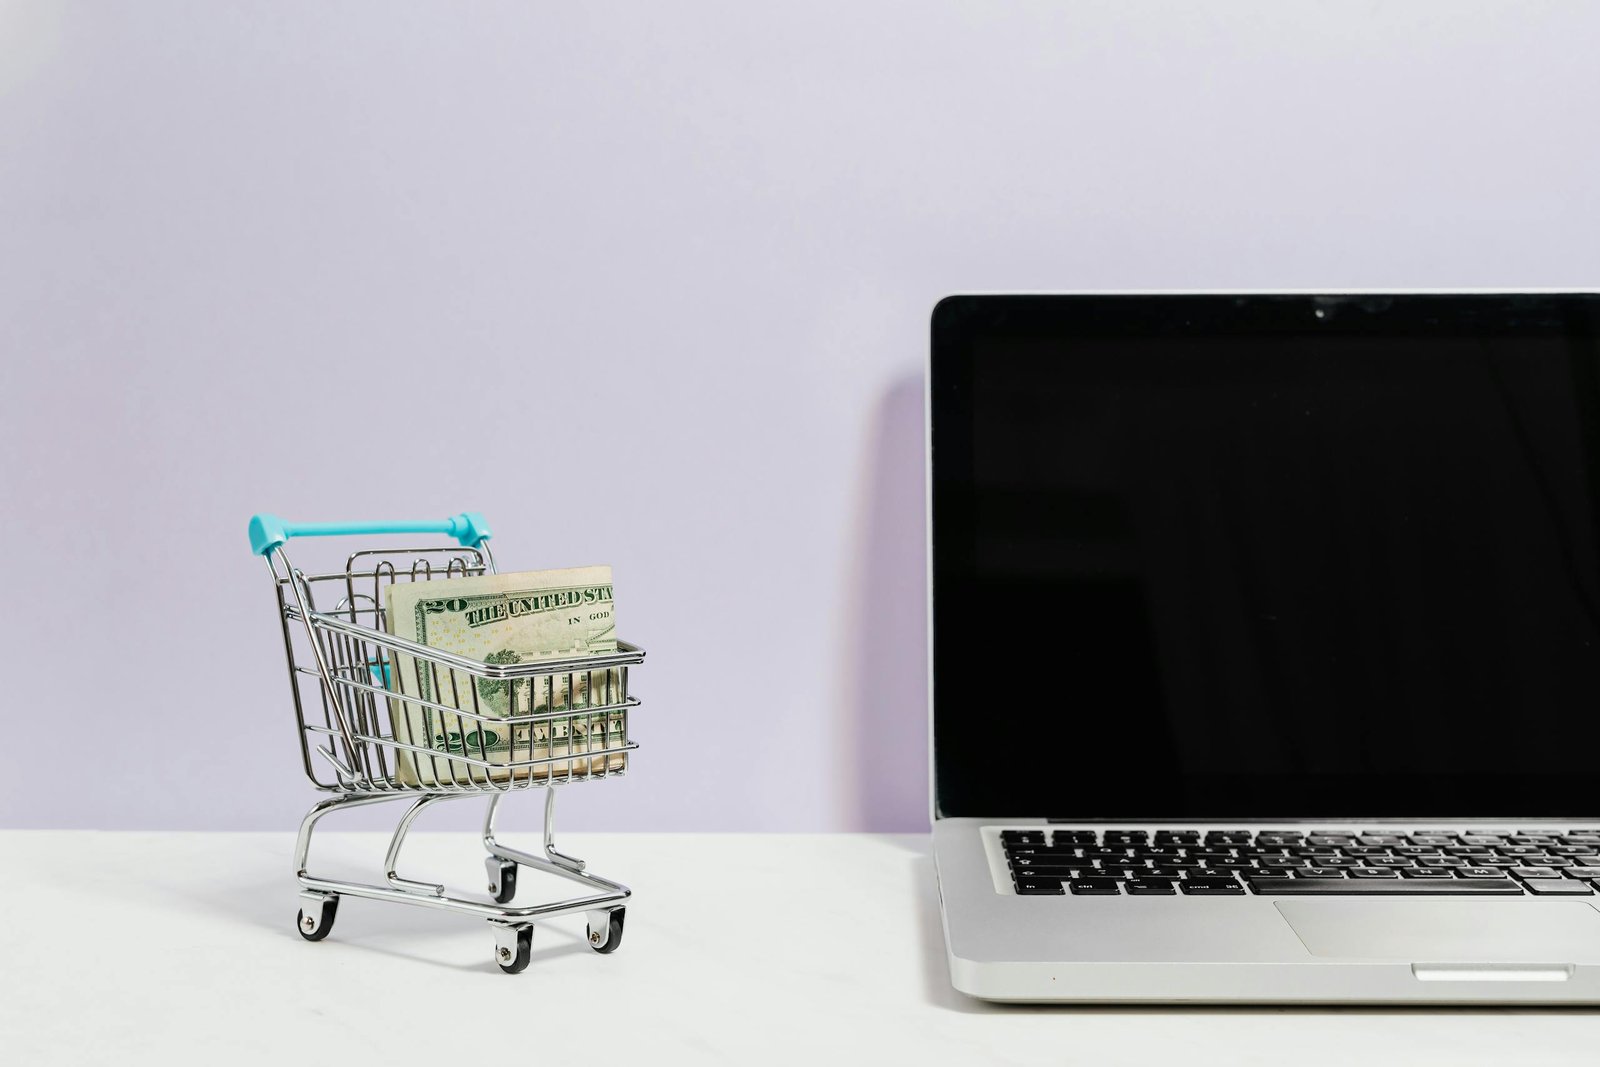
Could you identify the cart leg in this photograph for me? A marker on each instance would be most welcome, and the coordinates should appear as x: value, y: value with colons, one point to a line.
x: 399, y: 838
x: 552, y: 858
x: 302, y: 845
x: 550, y: 833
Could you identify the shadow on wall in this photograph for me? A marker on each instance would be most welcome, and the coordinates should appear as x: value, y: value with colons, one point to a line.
x: 888, y: 695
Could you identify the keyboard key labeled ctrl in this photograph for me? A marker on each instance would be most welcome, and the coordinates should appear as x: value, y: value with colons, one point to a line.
x: 1107, y: 887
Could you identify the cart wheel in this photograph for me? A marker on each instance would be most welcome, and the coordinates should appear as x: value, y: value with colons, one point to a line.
x: 502, y: 879
x: 512, y: 954
x: 607, y: 935
x: 315, y: 927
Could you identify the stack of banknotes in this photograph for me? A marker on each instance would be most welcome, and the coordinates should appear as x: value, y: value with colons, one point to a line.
x: 505, y: 618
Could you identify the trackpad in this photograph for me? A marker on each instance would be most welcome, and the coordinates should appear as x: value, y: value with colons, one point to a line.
x: 1447, y: 931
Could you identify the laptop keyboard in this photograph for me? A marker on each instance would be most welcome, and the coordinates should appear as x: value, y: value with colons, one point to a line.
x: 1048, y: 861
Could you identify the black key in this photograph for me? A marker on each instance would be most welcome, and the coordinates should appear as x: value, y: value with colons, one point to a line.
x: 1588, y: 874
x: 1229, y: 865
x: 1126, y: 837
x: 1049, y: 859
x: 1106, y: 853
x: 1214, y: 887
x: 1373, y: 872
x: 1329, y: 839
x: 1265, y: 840
x: 1338, y: 861
x: 1428, y: 872
x: 1554, y: 861
x: 1062, y: 873
x: 1479, y: 872
x: 1536, y: 872
x: 1385, y: 886
x: 1391, y: 861
x: 1441, y: 861
x: 1433, y: 837
x: 1176, y: 837
x: 1041, y: 850
x: 1570, y: 850
x: 1366, y: 850
x: 1415, y: 850
x: 1184, y: 862
x: 1531, y: 839
x: 1022, y: 837
x: 1040, y: 886
x: 1283, y: 861
x: 1073, y: 837
x: 1589, y: 861
x: 1163, y: 871
x: 1156, y: 851
x: 1475, y: 838
x: 1229, y: 837
x: 1581, y: 839
x: 1567, y: 886
x: 1269, y: 874
x: 1500, y: 861
x: 1124, y: 869
x: 1150, y: 887
x: 1319, y: 872
x: 1107, y: 887
x: 1519, y: 850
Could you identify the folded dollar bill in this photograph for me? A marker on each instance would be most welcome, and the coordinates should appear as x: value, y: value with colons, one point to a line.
x: 504, y: 618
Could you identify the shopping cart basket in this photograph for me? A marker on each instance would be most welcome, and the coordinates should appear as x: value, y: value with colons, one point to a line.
x: 341, y: 672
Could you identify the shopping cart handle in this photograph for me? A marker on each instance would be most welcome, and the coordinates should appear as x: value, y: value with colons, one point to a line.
x: 267, y: 532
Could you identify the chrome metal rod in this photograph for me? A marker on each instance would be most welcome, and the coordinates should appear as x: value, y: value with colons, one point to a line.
x: 549, y: 863
x: 302, y: 846
x: 393, y: 855
x: 596, y: 902
x: 550, y: 829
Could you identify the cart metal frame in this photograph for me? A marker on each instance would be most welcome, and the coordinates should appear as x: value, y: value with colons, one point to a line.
x: 342, y: 664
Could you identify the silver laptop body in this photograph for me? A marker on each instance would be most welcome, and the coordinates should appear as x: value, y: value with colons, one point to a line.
x: 1215, y: 576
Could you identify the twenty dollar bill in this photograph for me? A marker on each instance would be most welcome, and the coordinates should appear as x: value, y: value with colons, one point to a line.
x: 504, y: 619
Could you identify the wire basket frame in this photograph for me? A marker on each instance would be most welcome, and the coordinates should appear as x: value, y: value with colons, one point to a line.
x: 360, y: 727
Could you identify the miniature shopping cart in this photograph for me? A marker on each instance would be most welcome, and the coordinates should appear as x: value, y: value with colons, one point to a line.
x: 342, y: 671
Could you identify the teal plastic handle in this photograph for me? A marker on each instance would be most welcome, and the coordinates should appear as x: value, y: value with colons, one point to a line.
x: 267, y: 532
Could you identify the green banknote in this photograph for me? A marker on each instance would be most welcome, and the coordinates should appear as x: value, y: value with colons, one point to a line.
x: 504, y: 618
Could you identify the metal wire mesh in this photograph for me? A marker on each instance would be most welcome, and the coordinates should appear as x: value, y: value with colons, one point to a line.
x: 377, y: 713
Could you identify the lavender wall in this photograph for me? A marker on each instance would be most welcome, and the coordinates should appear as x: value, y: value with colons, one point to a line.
x: 363, y: 259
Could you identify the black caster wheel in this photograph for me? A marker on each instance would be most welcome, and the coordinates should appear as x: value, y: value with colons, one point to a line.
x: 513, y: 954
x: 606, y: 936
x: 502, y: 879
x: 315, y: 927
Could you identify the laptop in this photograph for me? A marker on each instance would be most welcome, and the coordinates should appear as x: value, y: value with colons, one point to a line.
x: 1265, y: 646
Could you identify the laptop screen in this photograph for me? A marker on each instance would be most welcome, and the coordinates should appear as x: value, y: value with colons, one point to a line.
x: 1266, y: 557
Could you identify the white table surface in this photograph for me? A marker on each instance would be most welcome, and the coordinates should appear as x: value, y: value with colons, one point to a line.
x: 129, y: 948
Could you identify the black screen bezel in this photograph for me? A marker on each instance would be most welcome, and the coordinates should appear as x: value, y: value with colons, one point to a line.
x: 960, y: 322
